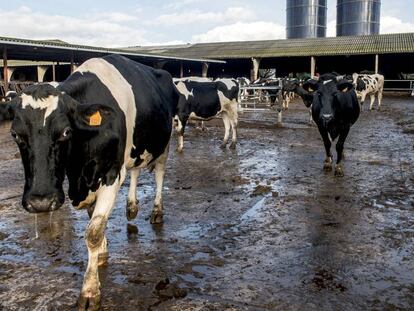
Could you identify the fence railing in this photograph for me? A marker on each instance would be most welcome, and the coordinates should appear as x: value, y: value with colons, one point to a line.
x: 14, y: 86
x: 399, y: 86
x: 256, y: 97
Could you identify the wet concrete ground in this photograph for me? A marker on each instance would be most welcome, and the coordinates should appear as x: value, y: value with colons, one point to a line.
x: 259, y: 228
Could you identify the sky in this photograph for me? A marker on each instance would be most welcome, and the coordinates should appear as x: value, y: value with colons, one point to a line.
x: 110, y: 23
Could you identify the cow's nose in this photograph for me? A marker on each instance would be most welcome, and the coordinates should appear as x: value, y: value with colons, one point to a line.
x: 327, y: 117
x: 42, y: 203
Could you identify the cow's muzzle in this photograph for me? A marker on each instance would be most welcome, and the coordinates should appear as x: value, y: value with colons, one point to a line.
x: 42, y: 203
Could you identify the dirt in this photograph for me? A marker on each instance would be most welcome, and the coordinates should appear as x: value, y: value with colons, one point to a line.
x: 259, y: 228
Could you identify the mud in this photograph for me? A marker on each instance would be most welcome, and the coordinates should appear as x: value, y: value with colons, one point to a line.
x: 259, y: 228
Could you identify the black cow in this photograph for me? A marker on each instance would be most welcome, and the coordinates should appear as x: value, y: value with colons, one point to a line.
x: 205, y: 100
x: 110, y: 115
x: 335, y: 109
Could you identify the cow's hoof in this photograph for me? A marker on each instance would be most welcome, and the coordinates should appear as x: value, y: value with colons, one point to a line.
x: 131, y: 210
x: 339, y: 171
x: 103, y: 259
x: 232, y: 146
x: 327, y: 165
x: 89, y: 300
x: 156, y: 217
x: 223, y: 146
x: 180, y: 150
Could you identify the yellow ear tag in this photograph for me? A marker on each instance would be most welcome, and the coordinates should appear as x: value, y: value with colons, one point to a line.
x: 95, y: 119
x: 311, y: 90
x: 345, y: 90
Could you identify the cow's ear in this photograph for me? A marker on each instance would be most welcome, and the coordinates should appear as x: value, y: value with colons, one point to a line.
x: 93, y: 116
x: 87, y: 116
x: 344, y: 86
x: 310, y: 86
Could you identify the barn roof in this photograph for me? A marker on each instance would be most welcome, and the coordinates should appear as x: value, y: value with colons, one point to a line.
x: 56, y: 50
x: 331, y: 46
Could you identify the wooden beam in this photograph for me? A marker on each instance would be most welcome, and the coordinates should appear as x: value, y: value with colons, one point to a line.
x: 5, y: 71
x: 204, y: 70
x: 72, y: 65
x: 313, y: 66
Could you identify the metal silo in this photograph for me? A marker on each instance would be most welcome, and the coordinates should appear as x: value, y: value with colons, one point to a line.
x: 358, y: 17
x: 306, y: 18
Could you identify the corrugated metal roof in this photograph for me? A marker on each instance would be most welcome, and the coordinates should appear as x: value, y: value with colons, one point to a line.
x: 352, y: 45
x: 29, y: 48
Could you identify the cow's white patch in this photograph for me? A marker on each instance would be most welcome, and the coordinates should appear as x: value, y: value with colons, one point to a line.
x: 146, y: 158
x: 182, y: 88
x: 327, y: 81
x: 228, y: 82
x: 121, y: 90
x: 49, y: 104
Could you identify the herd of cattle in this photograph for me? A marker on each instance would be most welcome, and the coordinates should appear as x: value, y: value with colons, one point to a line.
x: 113, y: 115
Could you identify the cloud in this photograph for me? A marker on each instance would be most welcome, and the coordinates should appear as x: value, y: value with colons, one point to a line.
x: 196, y: 17
x: 243, y: 32
x: 106, y: 29
x: 390, y: 24
x: 175, y: 5
x: 331, y: 29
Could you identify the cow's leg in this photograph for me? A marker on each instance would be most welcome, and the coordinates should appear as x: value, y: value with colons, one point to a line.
x: 363, y: 96
x: 233, y: 122
x: 160, y: 164
x: 132, y: 203
x: 371, y: 105
x: 226, y: 121
x: 339, y: 169
x: 327, y: 165
x: 379, y: 100
x: 180, y: 130
x: 96, y: 243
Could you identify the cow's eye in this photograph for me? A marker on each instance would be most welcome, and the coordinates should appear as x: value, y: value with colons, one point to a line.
x: 65, y: 134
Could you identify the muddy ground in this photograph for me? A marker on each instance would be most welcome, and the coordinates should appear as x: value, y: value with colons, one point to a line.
x: 259, y: 228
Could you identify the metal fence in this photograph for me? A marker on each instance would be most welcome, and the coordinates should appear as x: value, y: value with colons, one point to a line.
x: 256, y: 97
x: 399, y: 86
x: 14, y: 86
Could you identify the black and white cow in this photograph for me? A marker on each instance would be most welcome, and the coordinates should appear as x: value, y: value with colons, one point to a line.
x: 243, y: 82
x: 205, y: 100
x: 111, y: 115
x: 335, y: 109
x: 372, y: 85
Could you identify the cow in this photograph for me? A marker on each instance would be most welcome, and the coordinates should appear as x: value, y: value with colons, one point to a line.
x: 335, y: 109
x: 4, y: 113
x: 111, y: 115
x: 205, y: 100
x: 372, y: 85
x: 294, y: 85
x: 243, y: 82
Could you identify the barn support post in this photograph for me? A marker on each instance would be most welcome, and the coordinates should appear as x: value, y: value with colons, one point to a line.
x: 313, y: 66
x: 5, y: 71
x: 181, y: 70
x: 376, y: 63
x: 41, y: 71
x: 72, y: 64
x: 255, y: 69
x: 204, y: 70
x: 53, y: 71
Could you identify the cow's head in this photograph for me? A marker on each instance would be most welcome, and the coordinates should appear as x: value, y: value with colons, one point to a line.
x: 326, y: 95
x: 358, y: 82
x: 44, y: 120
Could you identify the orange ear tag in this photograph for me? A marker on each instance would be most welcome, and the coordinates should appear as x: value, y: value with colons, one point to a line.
x: 95, y: 119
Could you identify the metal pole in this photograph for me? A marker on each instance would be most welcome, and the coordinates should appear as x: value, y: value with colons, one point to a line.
x: 376, y: 63
x: 5, y: 71
x: 181, y: 70
x: 53, y: 71
x: 313, y: 66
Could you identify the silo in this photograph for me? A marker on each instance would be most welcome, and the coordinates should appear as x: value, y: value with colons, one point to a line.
x: 358, y: 17
x: 306, y: 18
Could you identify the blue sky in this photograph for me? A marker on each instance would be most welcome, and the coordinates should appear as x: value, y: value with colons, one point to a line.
x: 147, y: 22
